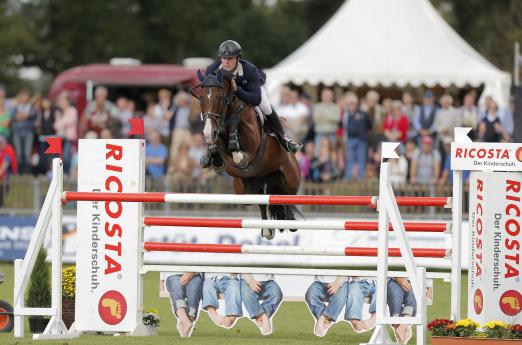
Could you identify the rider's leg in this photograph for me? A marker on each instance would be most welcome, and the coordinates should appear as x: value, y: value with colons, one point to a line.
x: 274, y: 123
x: 288, y: 144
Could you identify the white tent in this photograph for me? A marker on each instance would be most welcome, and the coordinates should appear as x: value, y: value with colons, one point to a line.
x: 389, y: 42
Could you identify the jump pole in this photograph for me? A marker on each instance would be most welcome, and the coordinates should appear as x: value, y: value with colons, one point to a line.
x: 316, y: 224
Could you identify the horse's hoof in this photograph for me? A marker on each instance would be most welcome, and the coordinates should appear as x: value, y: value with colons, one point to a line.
x: 268, y: 234
x: 293, y: 230
x: 240, y: 159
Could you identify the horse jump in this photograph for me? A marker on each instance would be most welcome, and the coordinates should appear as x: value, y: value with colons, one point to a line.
x: 388, y: 220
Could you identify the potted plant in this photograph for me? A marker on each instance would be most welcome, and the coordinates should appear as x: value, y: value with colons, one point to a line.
x: 39, y: 294
x: 151, y: 320
x: 446, y: 332
x: 68, y: 295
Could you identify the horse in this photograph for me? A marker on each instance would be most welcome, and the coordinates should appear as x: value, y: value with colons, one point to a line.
x: 261, y: 166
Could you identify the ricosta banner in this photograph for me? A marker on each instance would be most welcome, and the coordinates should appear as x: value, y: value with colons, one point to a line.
x: 107, y: 264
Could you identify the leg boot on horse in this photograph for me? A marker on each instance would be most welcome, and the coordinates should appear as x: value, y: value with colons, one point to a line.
x: 240, y: 158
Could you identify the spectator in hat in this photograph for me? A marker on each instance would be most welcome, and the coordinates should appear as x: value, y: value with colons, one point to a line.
x: 424, y: 121
x: 425, y: 167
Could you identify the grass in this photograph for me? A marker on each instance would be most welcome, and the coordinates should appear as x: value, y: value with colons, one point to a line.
x: 292, y: 324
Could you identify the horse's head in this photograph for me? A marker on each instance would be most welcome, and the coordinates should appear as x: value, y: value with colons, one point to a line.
x: 215, y: 98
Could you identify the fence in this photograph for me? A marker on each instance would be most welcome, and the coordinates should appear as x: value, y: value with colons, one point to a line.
x: 25, y: 194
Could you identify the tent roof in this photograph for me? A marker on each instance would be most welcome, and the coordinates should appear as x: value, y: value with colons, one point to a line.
x: 386, y: 42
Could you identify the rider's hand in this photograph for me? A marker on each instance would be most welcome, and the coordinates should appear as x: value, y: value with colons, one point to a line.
x: 234, y: 85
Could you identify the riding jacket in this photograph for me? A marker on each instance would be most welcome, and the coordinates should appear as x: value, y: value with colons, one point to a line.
x: 249, y: 80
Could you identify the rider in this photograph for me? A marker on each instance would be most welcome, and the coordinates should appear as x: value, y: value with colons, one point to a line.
x: 249, y: 85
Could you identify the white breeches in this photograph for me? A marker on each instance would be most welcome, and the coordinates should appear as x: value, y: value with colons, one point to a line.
x: 265, y: 107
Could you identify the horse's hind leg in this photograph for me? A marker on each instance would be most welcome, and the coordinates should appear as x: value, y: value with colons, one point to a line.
x: 255, y: 185
x: 265, y: 232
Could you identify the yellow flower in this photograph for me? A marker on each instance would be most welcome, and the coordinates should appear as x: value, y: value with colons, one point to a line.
x: 493, y: 324
x: 69, y: 282
x: 467, y: 323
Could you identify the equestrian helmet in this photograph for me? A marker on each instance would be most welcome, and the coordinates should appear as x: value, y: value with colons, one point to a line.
x: 229, y: 48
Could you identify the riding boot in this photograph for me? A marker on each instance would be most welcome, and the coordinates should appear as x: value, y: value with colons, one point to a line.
x: 288, y: 144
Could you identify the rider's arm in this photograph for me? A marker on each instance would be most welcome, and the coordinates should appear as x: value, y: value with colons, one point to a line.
x: 252, y: 92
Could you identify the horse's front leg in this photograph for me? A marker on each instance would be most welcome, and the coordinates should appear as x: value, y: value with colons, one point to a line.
x: 239, y: 157
x: 217, y: 162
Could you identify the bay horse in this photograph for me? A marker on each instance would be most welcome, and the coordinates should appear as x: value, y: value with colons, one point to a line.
x: 261, y: 166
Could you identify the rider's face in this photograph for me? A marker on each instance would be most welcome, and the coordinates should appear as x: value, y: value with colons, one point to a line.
x: 229, y: 63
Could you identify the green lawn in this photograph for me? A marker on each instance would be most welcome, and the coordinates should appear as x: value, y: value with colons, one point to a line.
x: 292, y: 324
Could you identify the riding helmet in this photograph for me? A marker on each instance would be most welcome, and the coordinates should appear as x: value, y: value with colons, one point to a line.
x: 229, y: 48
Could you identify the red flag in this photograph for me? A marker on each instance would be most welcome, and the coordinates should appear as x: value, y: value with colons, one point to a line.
x: 137, y: 127
x: 55, y: 146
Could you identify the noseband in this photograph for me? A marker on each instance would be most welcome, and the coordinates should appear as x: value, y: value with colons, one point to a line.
x: 221, y: 118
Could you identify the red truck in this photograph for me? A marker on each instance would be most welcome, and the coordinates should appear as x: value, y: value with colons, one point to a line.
x: 130, y: 80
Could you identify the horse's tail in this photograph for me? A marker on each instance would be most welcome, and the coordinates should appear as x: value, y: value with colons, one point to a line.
x: 284, y: 212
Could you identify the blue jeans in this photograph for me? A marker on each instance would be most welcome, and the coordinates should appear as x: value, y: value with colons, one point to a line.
x: 228, y: 286
x: 270, y: 294
x: 400, y: 302
x: 23, y: 145
x: 317, y: 295
x: 356, y: 151
x: 332, y: 137
x: 357, y: 291
x: 187, y: 296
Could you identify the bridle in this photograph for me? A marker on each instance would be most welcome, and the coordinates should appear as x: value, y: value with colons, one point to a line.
x: 227, y: 102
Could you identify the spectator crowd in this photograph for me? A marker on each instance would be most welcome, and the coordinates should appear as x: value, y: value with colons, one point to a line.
x: 341, y: 135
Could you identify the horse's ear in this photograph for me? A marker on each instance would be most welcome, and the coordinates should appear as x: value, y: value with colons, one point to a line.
x: 220, y: 76
x: 200, y: 75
